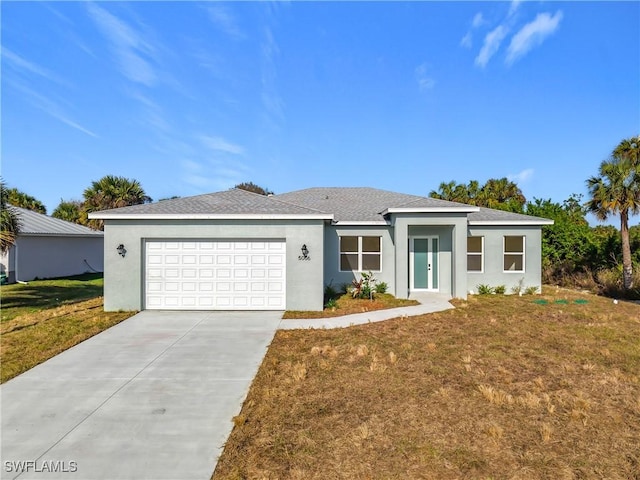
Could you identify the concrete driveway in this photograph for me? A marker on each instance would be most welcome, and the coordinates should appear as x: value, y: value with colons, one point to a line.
x: 152, y: 397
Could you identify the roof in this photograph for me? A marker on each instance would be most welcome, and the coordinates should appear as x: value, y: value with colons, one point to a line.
x: 367, y: 205
x: 234, y: 203
x: 34, y: 223
x: 489, y: 216
x: 346, y: 205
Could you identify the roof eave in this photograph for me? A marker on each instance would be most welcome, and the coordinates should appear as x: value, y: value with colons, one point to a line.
x: 510, y: 222
x: 466, y: 209
x: 207, y: 216
x: 361, y: 223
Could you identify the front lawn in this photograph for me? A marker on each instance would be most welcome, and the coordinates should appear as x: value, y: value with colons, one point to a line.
x: 46, y: 317
x: 500, y: 387
x: 18, y: 299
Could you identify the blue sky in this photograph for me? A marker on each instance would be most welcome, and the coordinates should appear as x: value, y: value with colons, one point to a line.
x: 195, y: 97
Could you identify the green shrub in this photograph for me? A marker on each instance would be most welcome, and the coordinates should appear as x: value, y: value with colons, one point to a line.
x: 331, y: 303
x: 381, y: 287
x: 518, y: 289
x: 330, y: 292
x: 500, y: 290
x: 531, y: 290
x: 484, y: 289
x: 364, y: 287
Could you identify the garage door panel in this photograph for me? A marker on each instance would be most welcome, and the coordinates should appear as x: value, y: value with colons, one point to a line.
x: 215, y: 275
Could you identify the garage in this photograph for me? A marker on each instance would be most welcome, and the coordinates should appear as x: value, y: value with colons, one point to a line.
x: 215, y: 275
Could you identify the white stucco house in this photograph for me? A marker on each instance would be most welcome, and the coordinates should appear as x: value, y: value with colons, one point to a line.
x: 240, y: 250
x: 48, y: 247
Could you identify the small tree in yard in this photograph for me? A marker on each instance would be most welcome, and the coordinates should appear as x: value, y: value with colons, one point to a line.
x: 616, y: 191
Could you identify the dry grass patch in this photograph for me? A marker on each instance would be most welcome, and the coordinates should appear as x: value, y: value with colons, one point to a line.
x: 497, y: 388
x: 32, y: 338
x: 346, y: 305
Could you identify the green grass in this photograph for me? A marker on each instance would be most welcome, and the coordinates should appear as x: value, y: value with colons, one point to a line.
x: 46, y: 317
x: 38, y: 295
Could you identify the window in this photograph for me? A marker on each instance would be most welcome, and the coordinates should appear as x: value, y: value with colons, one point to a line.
x: 475, y: 253
x: 360, y: 254
x: 514, y: 254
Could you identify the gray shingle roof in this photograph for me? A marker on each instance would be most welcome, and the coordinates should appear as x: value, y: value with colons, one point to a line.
x: 359, y: 204
x: 33, y: 223
x: 342, y: 204
x: 229, y: 202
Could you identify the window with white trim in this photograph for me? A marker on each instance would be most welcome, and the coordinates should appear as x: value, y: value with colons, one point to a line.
x: 475, y: 254
x: 360, y: 254
x: 514, y: 253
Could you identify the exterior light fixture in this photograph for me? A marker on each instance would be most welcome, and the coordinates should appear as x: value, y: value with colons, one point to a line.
x: 121, y: 250
x: 305, y: 253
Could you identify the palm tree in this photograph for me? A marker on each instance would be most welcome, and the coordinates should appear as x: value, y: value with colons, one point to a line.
x: 20, y: 199
x: 616, y: 191
x: 9, y: 221
x: 111, y: 192
x: 503, y: 194
x: 68, y: 210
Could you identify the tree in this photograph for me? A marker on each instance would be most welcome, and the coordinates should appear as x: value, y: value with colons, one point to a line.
x: 20, y: 199
x: 567, y: 244
x: 69, y: 210
x: 9, y: 221
x: 500, y: 193
x: 111, y: 192
x: 252, y: 187
x: 616, y: 191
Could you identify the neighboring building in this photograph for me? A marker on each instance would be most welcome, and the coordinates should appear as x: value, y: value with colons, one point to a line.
x: 239, y: 250
x: 48, y: 247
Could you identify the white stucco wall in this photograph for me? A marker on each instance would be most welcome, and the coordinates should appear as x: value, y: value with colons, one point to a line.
x: 494, y: 274
x: 53, y: 256
x: 124, y: 277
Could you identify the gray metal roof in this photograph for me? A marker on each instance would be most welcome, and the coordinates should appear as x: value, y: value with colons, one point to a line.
x: 229, y: 202
x: 360, y: 204
x: 33, y: 223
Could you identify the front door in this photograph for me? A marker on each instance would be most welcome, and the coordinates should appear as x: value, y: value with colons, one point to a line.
x: 423, y: 264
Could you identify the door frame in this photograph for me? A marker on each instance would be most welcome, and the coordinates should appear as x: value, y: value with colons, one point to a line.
x: 430, y: 253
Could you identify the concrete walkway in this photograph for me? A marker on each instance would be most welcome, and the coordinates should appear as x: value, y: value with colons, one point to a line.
x: 429, y: 303
x: 152, y: 397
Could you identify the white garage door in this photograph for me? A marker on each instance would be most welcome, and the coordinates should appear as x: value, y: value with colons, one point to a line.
x: 233, y: 275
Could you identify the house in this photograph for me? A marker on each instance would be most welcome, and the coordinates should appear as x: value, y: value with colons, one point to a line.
x: 240, y: 250
x: 48, y: 247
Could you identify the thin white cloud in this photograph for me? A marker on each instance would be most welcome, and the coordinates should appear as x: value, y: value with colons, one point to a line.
x: 425, y: 81
x: 491, y: 44
x: 532, y: 35
x: 515, y: 4
x: 49, y: 107
x: 19, y: 63
x: 478, y: 20
x: 467, y: 40
x: 521, y: 177
x: 225, y: 21
x: 219, y: 144
x: 271, y: 99
x: 132, y: 52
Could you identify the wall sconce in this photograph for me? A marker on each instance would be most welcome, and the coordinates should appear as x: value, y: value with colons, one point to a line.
x: 305, y: 253
x: 121, y: 250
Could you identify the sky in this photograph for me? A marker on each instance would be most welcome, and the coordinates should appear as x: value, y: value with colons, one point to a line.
x: 196, y: 97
